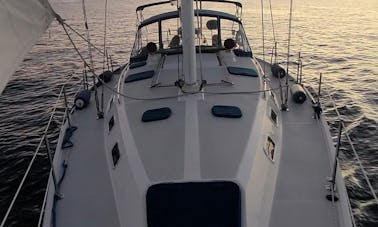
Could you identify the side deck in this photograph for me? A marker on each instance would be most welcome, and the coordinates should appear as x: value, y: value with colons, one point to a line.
x: 306, y: 159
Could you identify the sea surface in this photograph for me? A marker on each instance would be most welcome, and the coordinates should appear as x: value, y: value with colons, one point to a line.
x: 337, y: 38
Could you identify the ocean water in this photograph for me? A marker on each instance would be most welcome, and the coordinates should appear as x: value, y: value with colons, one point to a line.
x: 336, y: 38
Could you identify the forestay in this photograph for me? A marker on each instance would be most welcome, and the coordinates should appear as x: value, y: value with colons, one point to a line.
x: 21, y: 24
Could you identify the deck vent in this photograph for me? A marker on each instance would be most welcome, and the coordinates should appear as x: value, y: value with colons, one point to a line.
x: 242, y: 71
x: 226, y: 111
x: 156, y: 114
x: 139, y: 76
x: 111, y: 123
x: 137, y: 64
x: 115, y: 154
x: 199, y: 204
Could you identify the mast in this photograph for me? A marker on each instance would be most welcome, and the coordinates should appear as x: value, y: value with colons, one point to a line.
x: 189, y: 51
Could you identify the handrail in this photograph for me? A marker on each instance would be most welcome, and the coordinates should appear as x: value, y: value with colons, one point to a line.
x: 10, y: 207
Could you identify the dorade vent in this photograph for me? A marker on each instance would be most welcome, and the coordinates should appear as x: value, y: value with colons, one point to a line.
x: 226, y: 111
x: 111, y: 123
x: 115, y: 154
x: 273, y: 116
x: 269, y: 148
x: 156, y: 114
x: 242, y: 71
x: 139, y: 76
x: 195, y: 204
x: 137, y: 64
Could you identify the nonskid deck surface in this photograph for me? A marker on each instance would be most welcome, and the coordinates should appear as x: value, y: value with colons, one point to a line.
x: 300, y: 197
x: 87, y: 188
x: 300, y: 192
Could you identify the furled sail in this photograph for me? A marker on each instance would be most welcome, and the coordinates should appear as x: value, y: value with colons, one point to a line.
x: 21, y: 24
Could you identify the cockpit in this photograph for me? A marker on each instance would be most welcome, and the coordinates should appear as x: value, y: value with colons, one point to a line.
x: 213, y: 32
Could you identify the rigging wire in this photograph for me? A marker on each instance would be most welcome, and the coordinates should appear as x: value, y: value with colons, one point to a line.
x: 274, y: 35
x: 105, y: 19
x: 99, y: 112
x: 263, y: 34
x: 288, y: 55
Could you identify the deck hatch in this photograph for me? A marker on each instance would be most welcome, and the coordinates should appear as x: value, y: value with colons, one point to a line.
x: 115, y: 154
x: 242, y: 71
x: 137, y: 64
x: 194, y: 204
x: 226, y: 111
x: 242, y: 53
x: 139, y: 76
x: 156, y: 114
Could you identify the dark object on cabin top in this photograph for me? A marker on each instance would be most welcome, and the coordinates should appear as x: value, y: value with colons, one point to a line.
x: 229, y: 44
x: 151, y: 47
x: 139, y: 76
x: 137, y: 64
x: 226, y: 111
x: 156, y: 114
x: 242, y: 53
x: 242, y: 71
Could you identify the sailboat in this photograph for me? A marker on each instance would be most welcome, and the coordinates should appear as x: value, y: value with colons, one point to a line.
x: 194, y: 131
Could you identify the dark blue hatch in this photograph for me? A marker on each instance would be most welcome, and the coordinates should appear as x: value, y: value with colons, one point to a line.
x: 156, y: 114
x: 242, y: 71
x: 137, y: 64
x: 226, y: 111
x: 139, y: 76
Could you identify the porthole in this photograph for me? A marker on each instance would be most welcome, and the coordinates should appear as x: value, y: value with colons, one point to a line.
x: 269, y: 148
x: 115, y: 154
x: 111, y: 123
x: 273, y: 116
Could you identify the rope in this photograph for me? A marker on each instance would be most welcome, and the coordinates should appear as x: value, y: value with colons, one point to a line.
x: 99, y: 112
x: 271, y: 16
x: 364, y: 173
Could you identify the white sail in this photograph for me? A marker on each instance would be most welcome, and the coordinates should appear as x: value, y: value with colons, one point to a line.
x: 21, y: 24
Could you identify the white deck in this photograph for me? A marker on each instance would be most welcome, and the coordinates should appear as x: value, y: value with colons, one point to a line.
x: 89, y: 193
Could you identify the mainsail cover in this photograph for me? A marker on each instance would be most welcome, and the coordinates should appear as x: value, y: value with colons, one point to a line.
x: 22, y: 22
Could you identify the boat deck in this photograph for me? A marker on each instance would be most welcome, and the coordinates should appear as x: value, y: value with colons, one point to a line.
x: 300, y: 197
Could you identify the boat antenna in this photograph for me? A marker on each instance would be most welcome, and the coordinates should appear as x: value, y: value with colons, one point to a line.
x: 285, y: 105
x: 100, y: 114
